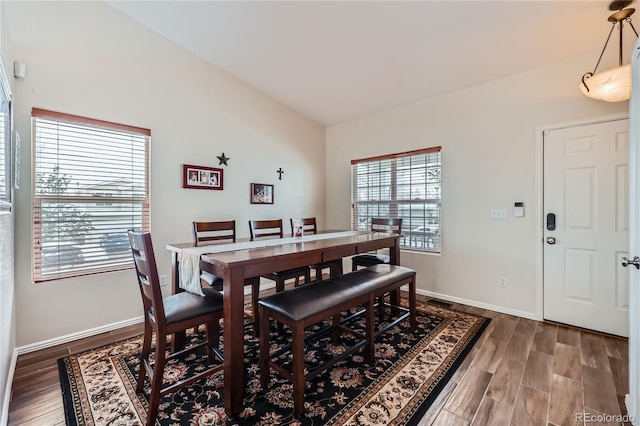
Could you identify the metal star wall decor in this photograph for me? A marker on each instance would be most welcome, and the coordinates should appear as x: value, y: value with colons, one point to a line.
x: 223, y: 159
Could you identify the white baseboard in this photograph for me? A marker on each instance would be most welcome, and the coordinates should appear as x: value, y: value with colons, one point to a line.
x: 79, y: 335
x: 102, y: 329
x: 501, y: 309
x: 4, y: 416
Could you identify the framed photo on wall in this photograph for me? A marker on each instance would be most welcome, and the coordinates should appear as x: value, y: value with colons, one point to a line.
x: 261, y: 193
x: 199, y: 177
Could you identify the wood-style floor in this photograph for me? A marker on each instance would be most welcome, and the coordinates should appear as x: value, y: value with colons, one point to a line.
x: 520, y: 372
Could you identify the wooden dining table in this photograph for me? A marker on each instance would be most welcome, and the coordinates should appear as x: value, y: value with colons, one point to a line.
x: 237, y: 265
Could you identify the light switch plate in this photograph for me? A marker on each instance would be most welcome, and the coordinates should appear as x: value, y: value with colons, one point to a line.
x: 498, y: 214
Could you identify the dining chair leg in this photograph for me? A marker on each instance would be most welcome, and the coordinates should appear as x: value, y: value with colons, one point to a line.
x: 156, y: 380
x: 213, y: 340
x: 144, y: 356
x: 255, y: 314
x: 265, y: 371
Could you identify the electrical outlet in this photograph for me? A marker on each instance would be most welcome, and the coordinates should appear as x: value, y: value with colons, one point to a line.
x: 498, y: 214
x: 163, y: 280
x: 503, y: 282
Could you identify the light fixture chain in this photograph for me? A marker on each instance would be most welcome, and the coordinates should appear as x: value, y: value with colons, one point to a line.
x: 632, y: 27
x: 604, y: 48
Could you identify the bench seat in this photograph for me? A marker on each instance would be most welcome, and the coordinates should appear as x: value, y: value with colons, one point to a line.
x: 309, y: 304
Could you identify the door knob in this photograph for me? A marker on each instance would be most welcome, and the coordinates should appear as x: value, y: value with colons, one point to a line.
x: 635, y: 262
x: 551, y: 240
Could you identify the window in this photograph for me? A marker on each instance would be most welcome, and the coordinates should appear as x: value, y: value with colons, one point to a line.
x: 406, y: 185
x: 6, y: 153
x: 91, y: 184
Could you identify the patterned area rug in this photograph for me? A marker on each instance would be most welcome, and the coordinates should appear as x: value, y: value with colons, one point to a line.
x: 98, y: 385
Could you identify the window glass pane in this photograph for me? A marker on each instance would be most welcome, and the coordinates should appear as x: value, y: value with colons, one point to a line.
x: 406, y: 186
x: 5, y: 149
x: 91, y: 186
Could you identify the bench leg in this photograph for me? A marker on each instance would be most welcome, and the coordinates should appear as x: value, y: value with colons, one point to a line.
x: 336, y: 269
x: 335, y: 336
x: 298, y: 369
x: 381, y: 308
x: 370, y: 333
x: 264, y: 349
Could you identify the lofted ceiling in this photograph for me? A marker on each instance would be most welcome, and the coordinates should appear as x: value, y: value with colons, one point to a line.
x: 335, y: 61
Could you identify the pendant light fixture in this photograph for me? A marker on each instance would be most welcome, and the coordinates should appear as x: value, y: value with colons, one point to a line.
x: 612, y: 85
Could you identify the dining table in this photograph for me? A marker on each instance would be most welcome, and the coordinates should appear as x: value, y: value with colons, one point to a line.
x: 235, y: 262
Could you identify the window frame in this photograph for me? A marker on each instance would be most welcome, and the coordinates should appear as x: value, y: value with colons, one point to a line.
x: 389, y: 182
x: 38, y: 199
x: 8, y: 149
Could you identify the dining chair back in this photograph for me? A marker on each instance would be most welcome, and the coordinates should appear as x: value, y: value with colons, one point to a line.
x: 212, y: 232
x: 391, y: 225
x: 164, y: 316
x: 308, y: 225
x: 265, y: 228
x: 204, y: 232
x: 223, y: 232
x: 273, y: 228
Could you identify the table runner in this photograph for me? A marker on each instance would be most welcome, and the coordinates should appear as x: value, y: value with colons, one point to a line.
x: 189, y: 258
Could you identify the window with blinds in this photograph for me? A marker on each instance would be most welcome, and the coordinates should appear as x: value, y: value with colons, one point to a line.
x: 91, y: 184
x: 406, y: 185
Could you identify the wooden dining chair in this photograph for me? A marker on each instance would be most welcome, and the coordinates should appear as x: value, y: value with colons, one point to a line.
x: 211, y: 232
x: 223, y: 232
x: 168, y: 315
x: 390, y: 225
x: 309, y: 226
x: 273, y: 228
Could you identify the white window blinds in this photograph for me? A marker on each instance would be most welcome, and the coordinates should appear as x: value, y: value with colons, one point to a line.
x: 406, y: 185
x: 91, y: 184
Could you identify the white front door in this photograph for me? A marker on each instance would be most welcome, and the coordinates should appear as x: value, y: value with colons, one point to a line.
x: 586, y: 226
x: 632, y: 400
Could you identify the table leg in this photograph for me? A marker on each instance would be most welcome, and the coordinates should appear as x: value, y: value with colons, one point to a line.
x: 394, y: 259
x: 233, y: 337
x: 179, y: 339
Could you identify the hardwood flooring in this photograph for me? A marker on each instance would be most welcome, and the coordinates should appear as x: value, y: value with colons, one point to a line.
x: 521, y: 372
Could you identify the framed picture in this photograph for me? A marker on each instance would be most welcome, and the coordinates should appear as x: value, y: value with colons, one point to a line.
x: 261, y: 193
x: 199, y: 177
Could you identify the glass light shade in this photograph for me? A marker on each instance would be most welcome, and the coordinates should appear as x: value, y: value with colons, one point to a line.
x: 612, y: 85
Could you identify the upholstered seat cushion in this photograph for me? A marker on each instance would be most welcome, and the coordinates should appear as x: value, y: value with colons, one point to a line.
x: 182, y: 306
x: 290, y: 272
x: 370, y: 259
x: 308, y: 300
x: 210, y: 278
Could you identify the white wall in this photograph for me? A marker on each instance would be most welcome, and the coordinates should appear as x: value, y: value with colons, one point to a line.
x: 487, y: 134
x: 109, y: 67
x: 7, y: 306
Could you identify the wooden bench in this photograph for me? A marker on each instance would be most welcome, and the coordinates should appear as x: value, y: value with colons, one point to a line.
x: 309, y: 304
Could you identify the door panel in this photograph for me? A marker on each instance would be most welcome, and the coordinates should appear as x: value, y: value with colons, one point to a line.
x: 585, y: 186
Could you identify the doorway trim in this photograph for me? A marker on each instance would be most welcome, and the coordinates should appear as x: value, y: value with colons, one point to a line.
x: 539, y: 191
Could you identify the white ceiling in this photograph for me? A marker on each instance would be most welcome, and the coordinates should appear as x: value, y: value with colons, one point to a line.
x: 339, y: 60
